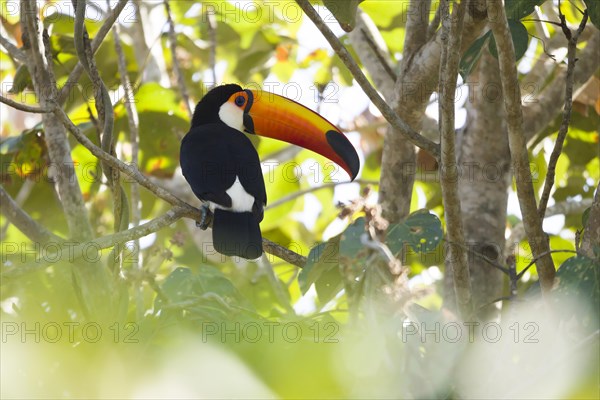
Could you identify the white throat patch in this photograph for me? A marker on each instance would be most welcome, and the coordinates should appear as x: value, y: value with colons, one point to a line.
x: 232, y: 115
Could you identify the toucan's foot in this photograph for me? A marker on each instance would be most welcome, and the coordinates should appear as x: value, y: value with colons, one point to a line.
x: 203, y: 223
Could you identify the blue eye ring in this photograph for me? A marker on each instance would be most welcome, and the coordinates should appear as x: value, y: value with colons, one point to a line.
x: 240, y: 101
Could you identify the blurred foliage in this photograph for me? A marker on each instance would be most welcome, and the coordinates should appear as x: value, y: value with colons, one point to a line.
x: 347, y: 325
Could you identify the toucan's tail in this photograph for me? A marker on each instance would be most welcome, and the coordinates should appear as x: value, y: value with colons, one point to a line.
x: 237, y: 234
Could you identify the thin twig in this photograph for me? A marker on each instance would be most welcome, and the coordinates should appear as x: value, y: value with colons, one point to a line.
x: 300, y: 193
x: 434, y: 24
x: 176, y: 68
x: 23, y: 221
x: 13, y: 50
x: 389, y: 114
x: 103, y: 101
x: 520, y: 275
x: 133, y: 124
x: 211, y: 23
x: 25, y: 107
x: 518, y: 146
x: 285, y: 254
x: 477, y: 254
x: 377, y: 51
x: 566, y: 117
x: 22, y: 196
x: 457, y: 257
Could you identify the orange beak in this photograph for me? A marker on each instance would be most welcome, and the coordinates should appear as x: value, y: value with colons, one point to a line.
x: 267, y: 114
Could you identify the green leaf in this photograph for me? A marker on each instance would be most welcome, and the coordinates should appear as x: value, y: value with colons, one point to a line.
x: 176, y: 286
x: 27, y: 152
x: 579, y: 280
x: 520, y: 39
x: 344, y: 11
x: 397, y: 236
x: 21, y: 81
x: 471, y: 57
x: 204, y: 293
x: 321, y: 258
x: 329, y: 284
x: 422, y: 230
x: 593, y: 9
x: 350, y: 243
x: 517, y: 9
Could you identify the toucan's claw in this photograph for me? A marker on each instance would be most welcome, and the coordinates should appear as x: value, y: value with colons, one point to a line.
x: 203, y: 223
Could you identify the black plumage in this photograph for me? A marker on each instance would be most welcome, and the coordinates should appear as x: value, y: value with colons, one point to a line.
x: 212, y: 156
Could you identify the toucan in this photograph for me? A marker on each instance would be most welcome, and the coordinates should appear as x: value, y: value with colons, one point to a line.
x: 222, y: 166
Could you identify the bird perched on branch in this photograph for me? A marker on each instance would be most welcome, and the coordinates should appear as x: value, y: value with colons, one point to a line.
x: 222, y: 166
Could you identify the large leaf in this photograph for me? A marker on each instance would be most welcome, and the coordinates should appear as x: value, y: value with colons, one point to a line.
x: 344, y: 11
x: 323, y: 257
x: 520, y: 39
x: 350, y: 242
x: 471, y: 57
x: 593, y: 9
x: 205, y: 293
x: 517, y: 9
x: 422, y: 231
x: 579, y: 281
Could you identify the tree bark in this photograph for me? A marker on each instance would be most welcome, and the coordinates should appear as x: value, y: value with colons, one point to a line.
x: 484, y: 161
x: 591, y: 233
x: 55, y: 135
x: 417, y: 80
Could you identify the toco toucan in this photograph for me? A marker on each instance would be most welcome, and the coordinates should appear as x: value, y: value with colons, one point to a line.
x: 222, y: 166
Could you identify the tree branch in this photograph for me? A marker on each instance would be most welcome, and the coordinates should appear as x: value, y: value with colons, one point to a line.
x: 389, y: 114
x: 13, y: 50
x: 591, y: 231
x: 371, y: 55
x: 299, y: 193
x: 59, y: 149
x: 434, y: 24
x: 176, y: 67
x: 95, y: 45
x: 133, y: 124
x: 566, y: 117
x: 23, y: 221
x: 518, y: 147
x: 24, y: 107
x: 417, y: 22
x: 452, y: 27
x: 517, y: 233
x: 542, y: 108
x: 211, y: 24
x: 72, y: 251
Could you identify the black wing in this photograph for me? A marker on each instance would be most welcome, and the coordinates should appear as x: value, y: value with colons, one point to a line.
x: 211, y: 158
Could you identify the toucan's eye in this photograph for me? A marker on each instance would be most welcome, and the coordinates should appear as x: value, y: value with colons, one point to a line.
x: 239, y: 101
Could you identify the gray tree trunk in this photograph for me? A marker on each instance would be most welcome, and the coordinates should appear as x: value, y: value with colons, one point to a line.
x: 484, y: 160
